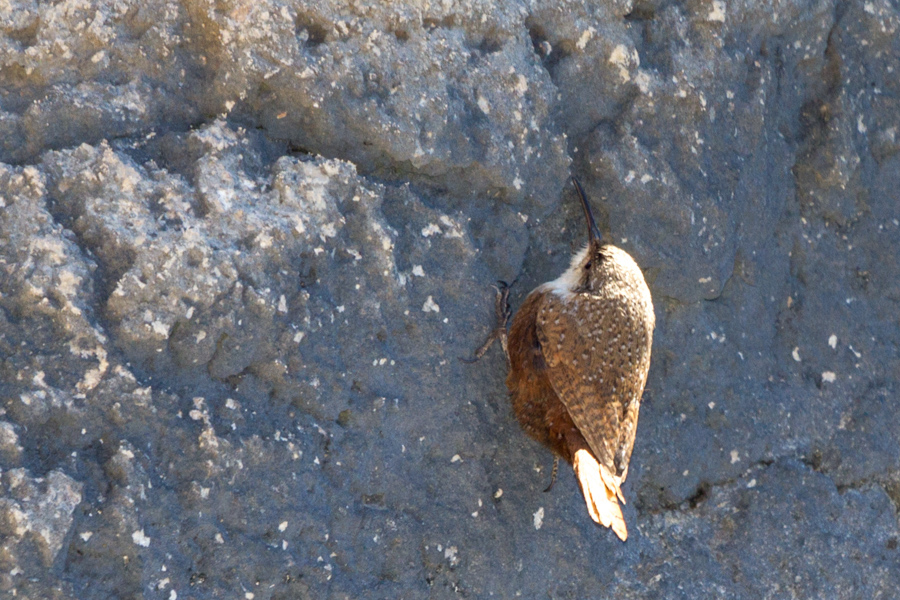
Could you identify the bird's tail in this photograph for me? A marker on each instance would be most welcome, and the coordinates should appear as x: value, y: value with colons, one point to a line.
x: 601, y: 492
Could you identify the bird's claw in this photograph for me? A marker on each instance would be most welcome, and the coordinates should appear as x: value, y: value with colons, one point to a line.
x: 553, y: 474
x: 502, y: 312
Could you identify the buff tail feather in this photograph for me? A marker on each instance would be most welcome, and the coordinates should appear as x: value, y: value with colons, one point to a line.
x: 601, y: 492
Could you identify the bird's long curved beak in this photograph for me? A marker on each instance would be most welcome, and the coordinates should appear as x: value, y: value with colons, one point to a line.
x: 593, y: 232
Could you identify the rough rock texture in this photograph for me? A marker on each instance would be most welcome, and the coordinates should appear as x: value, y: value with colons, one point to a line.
x: 242, y: 245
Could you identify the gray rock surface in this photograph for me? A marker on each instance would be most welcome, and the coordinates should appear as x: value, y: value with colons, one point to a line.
x: 242, y: 245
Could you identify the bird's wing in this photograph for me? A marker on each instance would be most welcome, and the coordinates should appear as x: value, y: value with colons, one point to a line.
x: 597, y: 365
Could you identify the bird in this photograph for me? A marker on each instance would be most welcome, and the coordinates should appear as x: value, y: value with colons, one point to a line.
x: 578, y: 352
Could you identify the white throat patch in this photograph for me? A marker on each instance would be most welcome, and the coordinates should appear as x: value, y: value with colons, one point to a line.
x: 564, y: 285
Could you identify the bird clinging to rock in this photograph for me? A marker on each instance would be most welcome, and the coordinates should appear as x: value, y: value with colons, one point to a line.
x: 579, y: 353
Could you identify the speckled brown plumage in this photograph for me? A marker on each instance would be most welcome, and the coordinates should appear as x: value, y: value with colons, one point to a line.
x: 579, y: 351
x: 596, y: 345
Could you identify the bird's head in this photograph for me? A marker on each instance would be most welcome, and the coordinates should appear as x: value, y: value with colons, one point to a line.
x: 582, y: 273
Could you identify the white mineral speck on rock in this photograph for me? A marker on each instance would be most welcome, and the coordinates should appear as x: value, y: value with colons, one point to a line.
x: 9, y: 441
x: 643, y: 80
x: 264, y: 240
x: 832, y: 341
x: 160, y: 328
x: 86, y: 535
x: 539, y: 518
x: 69, y: 283
x: 735, y: 456
x: 718, y: 11
x: 431, y: 230
x: 586, y: 36
x: 328, y: 230
x: 282, y: 304
x: 139, y: 538
x: 418, y: 271
x: 622, y: 58
x: 455, y: 458
x: 453, y: 229
x: 828, y: 376
x: 431, y: 306
x: 282, y: 526
x: 521, y: 85
x: 796, y: 354
x: 38, y: 378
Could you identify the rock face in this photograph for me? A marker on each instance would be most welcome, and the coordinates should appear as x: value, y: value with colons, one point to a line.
x: 242, y: 245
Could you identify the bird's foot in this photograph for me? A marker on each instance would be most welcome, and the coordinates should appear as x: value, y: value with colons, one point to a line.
x: 502, y: 312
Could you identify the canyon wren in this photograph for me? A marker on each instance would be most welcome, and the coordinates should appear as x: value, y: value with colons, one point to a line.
x: 579, y: 353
